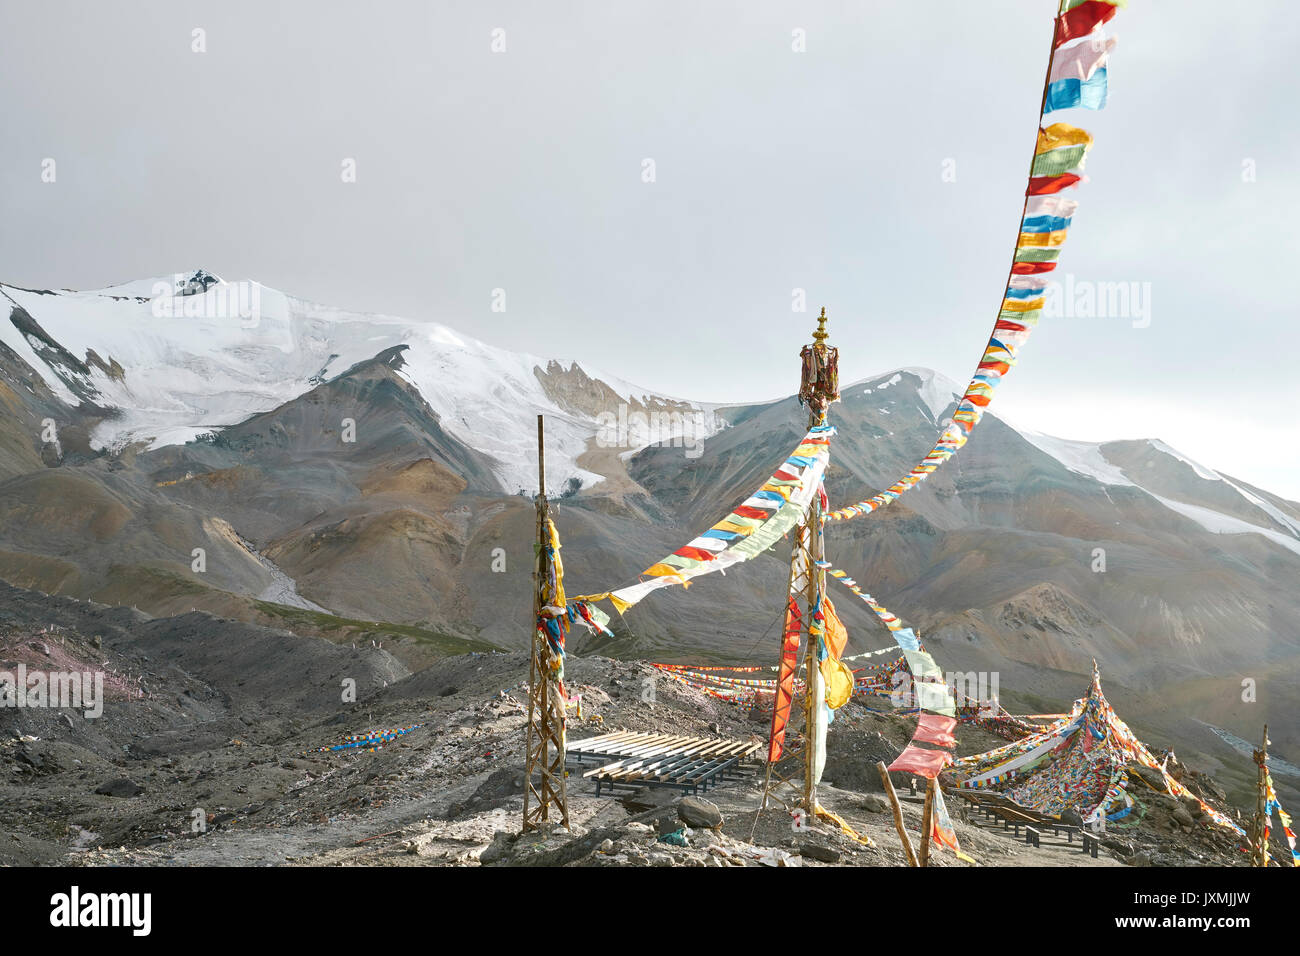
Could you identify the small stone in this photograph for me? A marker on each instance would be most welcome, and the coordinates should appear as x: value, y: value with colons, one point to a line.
x: 606, y: 847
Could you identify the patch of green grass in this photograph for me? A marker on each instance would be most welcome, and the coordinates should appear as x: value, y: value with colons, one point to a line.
x: 1023, y: 702
x: 337, y: 627
x: 143, y: 576
x: 158, y: 584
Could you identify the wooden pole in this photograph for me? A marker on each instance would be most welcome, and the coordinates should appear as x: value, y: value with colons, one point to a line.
x: 927, y: 823
x: 817, y: 406
x: 898, y: 813
x: 544, y: 742
x: 1259, y: 856
x: 539, y: 571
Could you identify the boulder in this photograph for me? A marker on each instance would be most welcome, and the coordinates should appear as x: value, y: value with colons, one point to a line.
x: 699, y: 813
x: 816, y: 851
x: 498, y: 849
x: 875, y: 803
x: 119, y: 787
x: 1150, y: 775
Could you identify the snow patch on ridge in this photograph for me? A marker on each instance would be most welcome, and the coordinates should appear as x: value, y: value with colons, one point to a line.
x: 1219, y: 523
x: 1201, y: 471
x: 1086, y: 458
x: 936, y: 390
x: 1080, y: 457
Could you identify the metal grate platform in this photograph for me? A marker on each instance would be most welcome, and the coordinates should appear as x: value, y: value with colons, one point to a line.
x: 626, y: 760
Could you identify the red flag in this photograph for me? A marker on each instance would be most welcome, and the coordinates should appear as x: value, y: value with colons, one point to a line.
x: 1042, y: 185
x: 922, y: 762
x: 1032, y: 268
x: 699, y: 554
x: 785, y: 681
x: 935, y: 729
x: 1079, y: 21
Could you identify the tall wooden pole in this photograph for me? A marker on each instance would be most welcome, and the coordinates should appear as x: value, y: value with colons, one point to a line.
x: 819, y: 396
x: 1259, y: 854
x: 544, y: 742
x: 818, y: 388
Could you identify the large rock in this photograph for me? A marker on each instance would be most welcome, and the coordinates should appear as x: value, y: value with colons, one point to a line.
x: 1152, y: 776
x: 875, y: 803
x: 699, y: 813
x: 816, y: 851
x: 119, y: 787
x: 499, y: 849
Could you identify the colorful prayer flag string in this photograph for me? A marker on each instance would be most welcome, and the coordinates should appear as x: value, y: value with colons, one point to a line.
x: 1076, y: 77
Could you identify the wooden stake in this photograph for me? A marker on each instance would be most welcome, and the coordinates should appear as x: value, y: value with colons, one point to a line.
x: 1259, y: 854
x: 927, y: 823
x: 898, y: 813
x: 544, y: 742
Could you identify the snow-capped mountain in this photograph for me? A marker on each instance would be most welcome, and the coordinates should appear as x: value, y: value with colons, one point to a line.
x: 1026, y: 555
x: 1214, y: 501
x: 170, y: 358
x: 164, y: 360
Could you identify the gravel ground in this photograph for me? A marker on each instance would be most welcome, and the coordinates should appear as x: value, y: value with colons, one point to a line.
x: 207, y: 753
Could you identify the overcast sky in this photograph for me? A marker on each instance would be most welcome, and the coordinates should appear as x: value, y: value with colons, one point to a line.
x: 774, y: 170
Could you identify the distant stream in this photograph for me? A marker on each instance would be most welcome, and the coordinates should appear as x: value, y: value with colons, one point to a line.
x: 1275, y: 763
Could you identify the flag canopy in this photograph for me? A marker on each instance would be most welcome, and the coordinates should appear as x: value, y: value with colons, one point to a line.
x: 1078, y: 763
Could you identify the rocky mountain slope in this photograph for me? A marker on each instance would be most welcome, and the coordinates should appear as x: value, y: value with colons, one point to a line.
x: 355, y: 476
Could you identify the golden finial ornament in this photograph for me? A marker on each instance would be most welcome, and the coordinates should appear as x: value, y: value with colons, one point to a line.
x: 821, y: 335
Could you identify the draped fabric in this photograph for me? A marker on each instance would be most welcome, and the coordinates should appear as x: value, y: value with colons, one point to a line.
x: 942, y: 831
x: 784, y: 695
x: 922, y: 762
